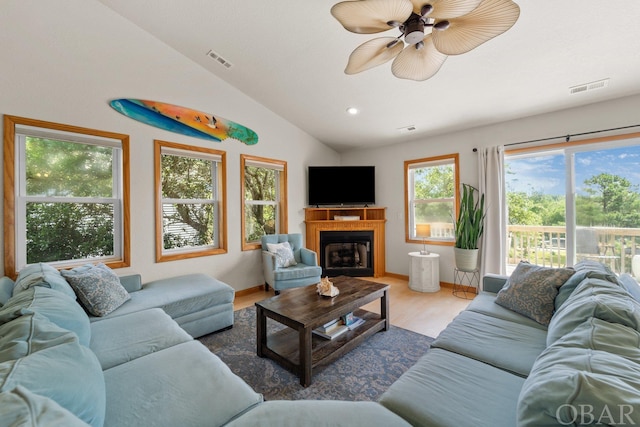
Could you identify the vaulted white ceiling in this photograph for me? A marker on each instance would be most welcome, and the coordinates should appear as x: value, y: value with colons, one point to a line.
x: 289, y: 55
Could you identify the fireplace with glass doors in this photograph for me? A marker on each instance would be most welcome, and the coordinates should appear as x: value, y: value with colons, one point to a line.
x: 348, y: 253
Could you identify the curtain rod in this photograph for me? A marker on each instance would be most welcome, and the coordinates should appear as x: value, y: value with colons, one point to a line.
x: 568, y: 136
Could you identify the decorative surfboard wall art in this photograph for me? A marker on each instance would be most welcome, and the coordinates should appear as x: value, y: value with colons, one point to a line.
x: 183, y: 120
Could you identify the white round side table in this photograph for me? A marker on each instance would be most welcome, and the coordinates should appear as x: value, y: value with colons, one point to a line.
x: 424, y: 272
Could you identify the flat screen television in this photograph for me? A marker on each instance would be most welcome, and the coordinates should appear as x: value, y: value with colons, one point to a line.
x: 341, y: 185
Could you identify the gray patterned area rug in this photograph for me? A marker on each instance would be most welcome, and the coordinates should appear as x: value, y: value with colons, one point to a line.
x: 364, y: 373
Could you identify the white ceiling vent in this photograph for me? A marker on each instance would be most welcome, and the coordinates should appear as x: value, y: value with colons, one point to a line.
x: 219, y: 59
x: 600, y: 84
x: 407, y: 129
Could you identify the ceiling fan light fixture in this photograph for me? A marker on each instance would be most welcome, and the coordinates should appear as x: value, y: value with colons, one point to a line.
x: 456, y: 27
x: 426, y: 10
x: 393, y: 43
x: 441, y: 26
x: 413, y: 30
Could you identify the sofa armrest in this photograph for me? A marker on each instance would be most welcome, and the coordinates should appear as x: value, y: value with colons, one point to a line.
x: 268, y: 266
x: 6, y: 289
x: 131, y: 282
x: 493, y: 282
x: 308, y: 257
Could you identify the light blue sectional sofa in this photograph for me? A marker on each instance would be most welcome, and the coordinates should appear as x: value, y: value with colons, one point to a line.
x: 135, y: 366
x: 493, y: 366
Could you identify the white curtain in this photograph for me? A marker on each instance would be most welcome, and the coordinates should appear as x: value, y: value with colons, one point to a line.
x: 493, y: 244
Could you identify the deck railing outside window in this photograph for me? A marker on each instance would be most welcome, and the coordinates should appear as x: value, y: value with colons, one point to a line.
x: 546, y: 246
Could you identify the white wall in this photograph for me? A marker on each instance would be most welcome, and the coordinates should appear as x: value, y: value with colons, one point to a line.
x: 63, y: 61
x: 389, y: 162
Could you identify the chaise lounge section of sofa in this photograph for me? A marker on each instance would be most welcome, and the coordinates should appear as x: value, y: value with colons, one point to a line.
x: 200, y: 304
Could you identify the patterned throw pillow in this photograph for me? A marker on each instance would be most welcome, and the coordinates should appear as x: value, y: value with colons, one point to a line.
x: 284, y: 254
x: 531, y: 290
x: 97, y: 287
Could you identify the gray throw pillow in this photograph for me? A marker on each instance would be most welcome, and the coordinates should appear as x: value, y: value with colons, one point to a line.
x: 98, y: 288
x: 531, y: 290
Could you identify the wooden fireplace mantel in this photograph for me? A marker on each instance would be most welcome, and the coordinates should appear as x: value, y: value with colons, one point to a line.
x: 371, y: 219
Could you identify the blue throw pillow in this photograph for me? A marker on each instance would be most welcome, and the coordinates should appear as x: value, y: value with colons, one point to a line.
x: 592, y: 373
x: 29, y: 334
x: 594, y: 298
x: 49, y: 361
x: 68, y: 374
x: 20, y: 407
x: 631, y: 285
x: 6, y: 290
x: 41, y: 275
x: 55, y: 306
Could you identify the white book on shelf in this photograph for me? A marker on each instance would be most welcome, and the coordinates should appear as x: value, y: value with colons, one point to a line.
x: 329, y: 325
x: 333, y: 333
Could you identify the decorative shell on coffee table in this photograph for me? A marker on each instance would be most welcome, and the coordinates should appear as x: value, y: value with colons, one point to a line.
x: 326, y: 288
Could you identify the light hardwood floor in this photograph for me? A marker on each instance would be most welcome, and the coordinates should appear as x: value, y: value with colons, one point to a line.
x: 422, y: 312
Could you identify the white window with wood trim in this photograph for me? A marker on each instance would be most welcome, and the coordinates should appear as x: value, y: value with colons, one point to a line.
x: 65, y: 197
x: 190, y: 201
x: 264, y: 206
x: 431, y: 199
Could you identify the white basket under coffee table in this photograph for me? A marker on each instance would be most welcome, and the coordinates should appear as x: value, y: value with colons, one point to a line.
x: 296, y: 348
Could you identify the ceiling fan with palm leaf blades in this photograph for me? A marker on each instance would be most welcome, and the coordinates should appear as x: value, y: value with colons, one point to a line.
x: 457, y: 26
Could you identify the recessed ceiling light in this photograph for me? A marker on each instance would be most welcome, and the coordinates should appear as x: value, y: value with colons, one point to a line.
x: 352, y: 110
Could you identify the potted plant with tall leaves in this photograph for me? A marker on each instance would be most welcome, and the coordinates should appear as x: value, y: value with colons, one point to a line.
x: 468, y: 228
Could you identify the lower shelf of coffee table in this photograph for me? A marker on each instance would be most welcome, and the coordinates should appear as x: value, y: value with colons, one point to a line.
x: 285, y: 342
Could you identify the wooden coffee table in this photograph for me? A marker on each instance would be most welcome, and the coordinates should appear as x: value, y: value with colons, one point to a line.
x: 302, y: 310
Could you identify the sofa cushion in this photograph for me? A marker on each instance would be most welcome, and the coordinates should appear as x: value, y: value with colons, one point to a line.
x: 298, y: 271
x: 28, y: 334
x: 582, y: 380
x: 6, y: 289
x: 121, y: 339
x: 201, y: 388
x: 42, y: 275
x: 501, y: 343
x: 630, y: 284
x: 22, y: 408
x: 594, y: 298
x: 283, y: 253
x: 485, y: 303
x: 448, y: 389
x: 584, y: 269
x: 54, y: 305
x: 68, y: 373
x: 318, y: 413
x: 532, y: 289
x: 97, y: 287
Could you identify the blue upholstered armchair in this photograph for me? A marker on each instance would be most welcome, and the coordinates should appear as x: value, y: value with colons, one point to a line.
x: 305, y: 271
